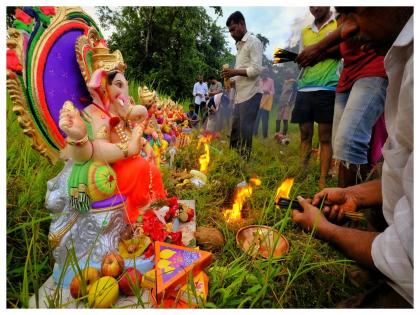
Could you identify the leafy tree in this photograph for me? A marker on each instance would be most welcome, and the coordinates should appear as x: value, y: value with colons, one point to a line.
x: 167, y: 47
x: 10, y: 15
x: 264, y: 40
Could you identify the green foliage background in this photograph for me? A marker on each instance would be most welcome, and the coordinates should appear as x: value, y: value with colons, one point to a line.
x: 167, y: 47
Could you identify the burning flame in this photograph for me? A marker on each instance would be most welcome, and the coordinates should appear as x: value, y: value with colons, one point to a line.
x: 284, y: 190
x: 204, y: 159
x: 242, y: 193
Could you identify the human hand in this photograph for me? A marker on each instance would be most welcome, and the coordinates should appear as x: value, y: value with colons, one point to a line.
x: 228, y: 73
x: 198, y: 94
x: 71, y: 122
x: 337, y: 201
x: 309, y: 56
x: 310, y: 218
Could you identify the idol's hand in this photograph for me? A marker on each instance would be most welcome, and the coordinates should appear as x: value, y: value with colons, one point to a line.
x: 71, y: 122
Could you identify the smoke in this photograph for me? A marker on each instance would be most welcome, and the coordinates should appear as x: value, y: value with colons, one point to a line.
x: 298, y: 24
x: 296, y: 28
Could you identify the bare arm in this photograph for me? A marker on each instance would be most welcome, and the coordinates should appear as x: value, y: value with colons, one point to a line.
x: 364, y: 195
x: 337, y: 201
x: 355, y: 244
x: 228, y: 73
x: 328, y: 47
x: 255, y: 64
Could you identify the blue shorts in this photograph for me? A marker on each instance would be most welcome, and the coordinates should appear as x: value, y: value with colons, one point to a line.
x: 355, y: 114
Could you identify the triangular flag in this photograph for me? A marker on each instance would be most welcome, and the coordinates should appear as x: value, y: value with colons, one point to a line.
x: 173, y: 263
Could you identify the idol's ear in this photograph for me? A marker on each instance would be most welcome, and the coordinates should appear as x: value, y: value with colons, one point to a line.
x: 96, y: 88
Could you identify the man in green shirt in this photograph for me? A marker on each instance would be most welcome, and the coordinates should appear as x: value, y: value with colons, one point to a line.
x: 316, y: 92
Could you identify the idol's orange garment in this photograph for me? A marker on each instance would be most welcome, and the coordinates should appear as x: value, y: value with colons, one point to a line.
x: 134, y: 176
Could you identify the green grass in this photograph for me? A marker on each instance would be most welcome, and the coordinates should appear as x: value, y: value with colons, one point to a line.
x: 312, y: 274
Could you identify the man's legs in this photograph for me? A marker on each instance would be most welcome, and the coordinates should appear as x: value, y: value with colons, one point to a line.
x: 203, y: 111
x: 324, y: 136
x: 265, y: 114
x: 257, y: 122
x: 353, y: 128
x: 304, y: 116
x: 306, y: 134
x: 248, y: 113
x: 279, y: 117
x: 285, y: 126
x: 236, y: 127
x: 278, y: 125
x: 197, y: 109
x: 323, y: 103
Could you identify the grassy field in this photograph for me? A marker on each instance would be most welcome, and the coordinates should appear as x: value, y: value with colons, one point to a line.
x: 312, y: 274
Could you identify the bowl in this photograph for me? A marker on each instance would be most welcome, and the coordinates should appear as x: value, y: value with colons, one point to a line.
x: 261, y: 240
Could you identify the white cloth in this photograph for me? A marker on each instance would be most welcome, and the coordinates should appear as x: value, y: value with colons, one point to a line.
x: 203, y: 90
x: 214, y: 115
x: 392, y: 250
x: 249, y: 57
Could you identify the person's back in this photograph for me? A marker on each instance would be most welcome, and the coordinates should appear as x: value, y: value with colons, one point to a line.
x: 288, y: 90
x: 286, y: 103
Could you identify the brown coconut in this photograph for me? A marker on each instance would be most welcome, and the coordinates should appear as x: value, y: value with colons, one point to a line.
x: 209, y: 238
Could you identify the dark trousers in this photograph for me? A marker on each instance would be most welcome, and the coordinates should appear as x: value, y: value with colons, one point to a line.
x: 199, y: 109
x: 263, y: 115
x: 244, y: 115
x: 285, y: 126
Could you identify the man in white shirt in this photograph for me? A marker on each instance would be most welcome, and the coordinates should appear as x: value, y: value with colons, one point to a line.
x: 200, y: 93
x: 387, y: 30
x: 246, y: 74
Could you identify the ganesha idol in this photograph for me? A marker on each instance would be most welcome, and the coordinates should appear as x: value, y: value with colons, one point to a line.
x: 72, y: 98
x: 153, y: 133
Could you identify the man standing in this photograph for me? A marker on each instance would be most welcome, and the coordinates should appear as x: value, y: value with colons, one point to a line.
x: 359, y: 105
x: 200, y: 92
x: 387, y: 30
x: 267, y: 85
x: 215, y: 86
x: 286, y: 103
x: 247, y: 72
x: 316, y: 93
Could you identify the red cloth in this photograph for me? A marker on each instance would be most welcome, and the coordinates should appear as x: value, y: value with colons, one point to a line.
x: 47, y: 10
x: 12, y: 61
x: 22, y: 16
x: 379, y: 136
x: 133, y: 180
x: 358, y: 64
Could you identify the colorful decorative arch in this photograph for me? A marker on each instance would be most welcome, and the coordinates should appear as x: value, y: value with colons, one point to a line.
x: 43, y: 72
